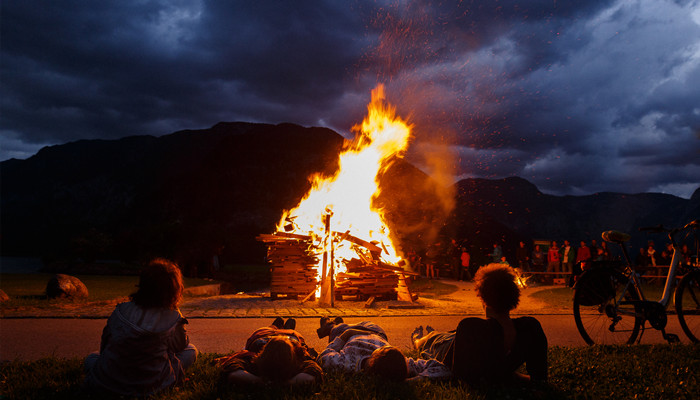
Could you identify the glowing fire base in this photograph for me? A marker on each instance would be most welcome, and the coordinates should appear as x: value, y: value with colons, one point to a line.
x: 294, y: 263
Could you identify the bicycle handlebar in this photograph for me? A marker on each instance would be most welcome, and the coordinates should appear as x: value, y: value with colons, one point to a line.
x: 657, y: 228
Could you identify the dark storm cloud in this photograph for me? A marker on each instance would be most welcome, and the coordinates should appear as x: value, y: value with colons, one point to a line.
x: 112, y: 69
x: 576, y: 96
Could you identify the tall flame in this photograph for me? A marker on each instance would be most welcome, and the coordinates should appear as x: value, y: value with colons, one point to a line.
x: 349, y: 193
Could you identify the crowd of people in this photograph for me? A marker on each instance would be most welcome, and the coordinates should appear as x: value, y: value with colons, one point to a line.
x: 145, y: 347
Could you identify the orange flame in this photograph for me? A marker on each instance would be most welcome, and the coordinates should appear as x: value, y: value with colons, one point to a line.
x: 348, y: 195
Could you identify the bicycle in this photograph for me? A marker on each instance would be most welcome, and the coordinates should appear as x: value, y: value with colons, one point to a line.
x: 610, y: 306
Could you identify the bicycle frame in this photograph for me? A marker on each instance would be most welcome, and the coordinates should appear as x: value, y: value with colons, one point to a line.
x: 670, y: 277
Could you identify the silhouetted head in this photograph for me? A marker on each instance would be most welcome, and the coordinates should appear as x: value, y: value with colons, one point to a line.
x: 277, y: 361
x: 496, y: 285
x: 160, y: 285
x: 389, y: 363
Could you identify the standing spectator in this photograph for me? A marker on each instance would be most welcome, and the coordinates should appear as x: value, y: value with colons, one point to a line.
x: 553, y: 259
x: 567, y: 257
x: 651, y: 253
x: 642, y: 259
x: 538, y: 258
x: 685, y: 253
x: 594, y: 247
x: 431, y: 256
x: 465, y: 259
x: 664, y: 258
x: 583, y: 255
x: 523, y: 257
x: 497, y: 253
x: 606, y: 251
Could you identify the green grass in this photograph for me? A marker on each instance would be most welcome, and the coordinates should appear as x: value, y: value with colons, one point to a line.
x: 29, y: 290
x: 599, y: 372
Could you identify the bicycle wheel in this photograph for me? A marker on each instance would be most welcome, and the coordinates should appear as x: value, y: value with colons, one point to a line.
x: 687, y: 301
x: 599, y: 317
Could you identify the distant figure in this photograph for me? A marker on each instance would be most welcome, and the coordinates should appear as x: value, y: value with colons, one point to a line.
x: 497, y: 253
x: 276, y: 354
x: 568, y: 257
x: 642, y: 260
x: 465, y: 258
x: 538, y: 257
x: 523, y: 257
x: 144, y: 346
x: 594, y: 247
x: 490, y: 350
x: 364, y: 347
x: 583, y: 255
x: 553, y: 258
x: 431, y: 256
x: 607, y: 256
x: 651, y: 253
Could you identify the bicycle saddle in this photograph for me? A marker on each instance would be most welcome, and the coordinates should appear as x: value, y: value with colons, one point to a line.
x: 615, y: 236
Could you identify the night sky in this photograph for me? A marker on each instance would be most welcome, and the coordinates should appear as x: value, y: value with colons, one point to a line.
x: 576, y: 96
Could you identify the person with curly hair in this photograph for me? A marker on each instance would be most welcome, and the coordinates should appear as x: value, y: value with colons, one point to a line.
x: 144, y: 346
x: 491, y: 349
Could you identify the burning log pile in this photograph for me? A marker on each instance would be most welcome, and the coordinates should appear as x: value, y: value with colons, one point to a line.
x: 293, y: 264
x: 366, y: 280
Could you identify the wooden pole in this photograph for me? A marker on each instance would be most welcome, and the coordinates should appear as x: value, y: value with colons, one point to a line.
x: 326, y: 277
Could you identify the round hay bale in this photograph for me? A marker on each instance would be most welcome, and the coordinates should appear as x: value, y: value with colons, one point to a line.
x: 66, y: 286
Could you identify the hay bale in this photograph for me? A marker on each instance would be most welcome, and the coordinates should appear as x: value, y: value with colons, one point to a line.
x: 66, y: 286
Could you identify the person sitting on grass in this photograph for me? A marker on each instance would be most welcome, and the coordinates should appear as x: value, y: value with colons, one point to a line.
x: 276, y: 354
x: 364, y: 348
x: 492, y: 349
x: 144, y: 346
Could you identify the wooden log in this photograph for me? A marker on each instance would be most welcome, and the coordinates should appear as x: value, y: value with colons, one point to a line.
x: 370, y: 302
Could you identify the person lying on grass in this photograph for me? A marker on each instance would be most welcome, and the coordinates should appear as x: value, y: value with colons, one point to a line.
x: 276, y: 354
x: 144, y: 346
x: 364, y: 348
x: 492, y: 349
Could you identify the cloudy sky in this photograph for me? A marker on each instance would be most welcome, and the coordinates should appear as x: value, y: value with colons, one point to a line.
x: 576, y: 96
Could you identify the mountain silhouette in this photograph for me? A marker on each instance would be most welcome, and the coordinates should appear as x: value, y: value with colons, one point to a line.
x: 196, y: 193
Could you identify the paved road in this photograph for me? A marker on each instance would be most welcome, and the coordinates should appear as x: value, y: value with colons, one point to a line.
x: 34, y: 338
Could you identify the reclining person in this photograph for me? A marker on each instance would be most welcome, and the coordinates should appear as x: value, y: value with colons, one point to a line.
x: 276, y: 354
x: 492, y: 349
x: 364, y: 348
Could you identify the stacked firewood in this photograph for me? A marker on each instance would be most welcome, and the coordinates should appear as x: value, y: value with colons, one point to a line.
x: 362, y: 281
x: 293, y: 262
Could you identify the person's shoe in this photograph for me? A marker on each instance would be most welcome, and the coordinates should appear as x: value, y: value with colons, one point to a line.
x: 325, y: 327
x: 338, y: 320
x: 417, y: 334
x: 290, y: 324
x: 429, y: 328
x: 278, y: 323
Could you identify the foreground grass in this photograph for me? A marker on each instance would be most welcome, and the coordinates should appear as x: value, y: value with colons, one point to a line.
x: 600, y: 372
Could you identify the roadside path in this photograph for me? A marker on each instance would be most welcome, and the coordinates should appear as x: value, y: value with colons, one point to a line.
x: 222, y: 323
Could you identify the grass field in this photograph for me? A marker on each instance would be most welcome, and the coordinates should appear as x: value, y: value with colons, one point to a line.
x: 599, y: 372
x: 29, y: 290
